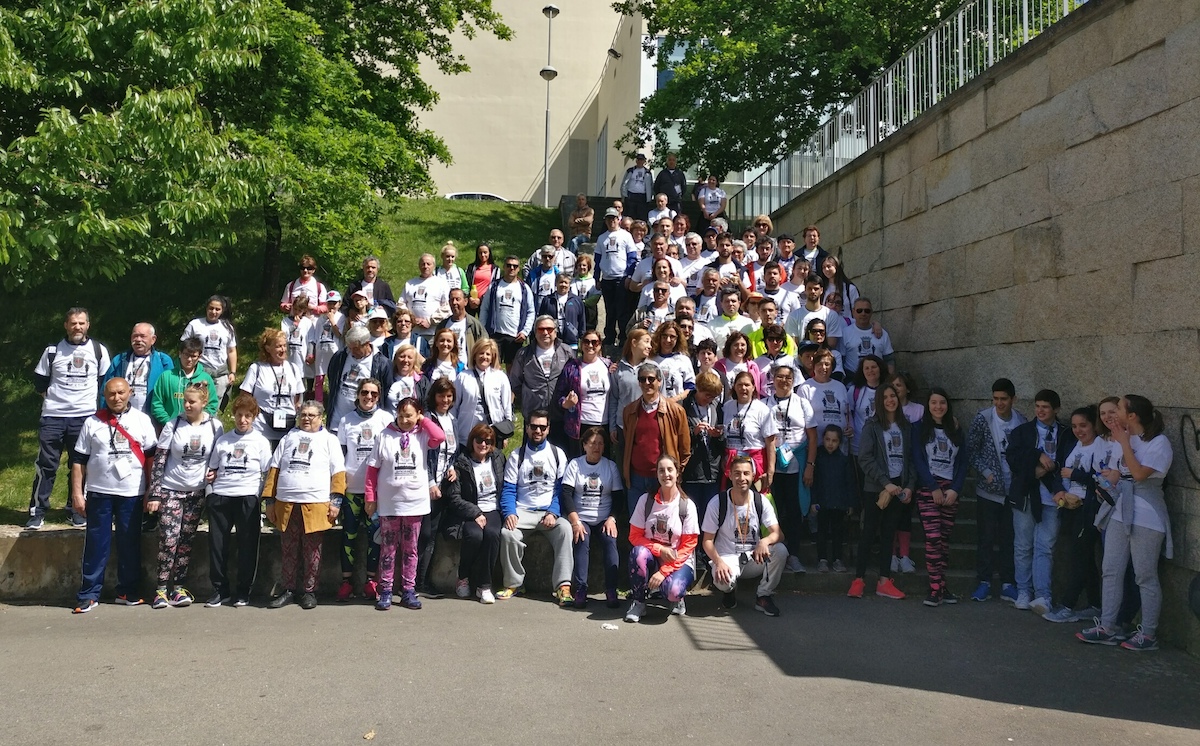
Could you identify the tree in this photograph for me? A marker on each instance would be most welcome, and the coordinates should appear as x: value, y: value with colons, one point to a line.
x: 758, y: 76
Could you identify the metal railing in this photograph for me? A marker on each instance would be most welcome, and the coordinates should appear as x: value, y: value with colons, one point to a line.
x: 976, y: 36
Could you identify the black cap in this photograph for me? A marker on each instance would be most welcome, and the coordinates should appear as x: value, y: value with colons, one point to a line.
x: 787, y: 236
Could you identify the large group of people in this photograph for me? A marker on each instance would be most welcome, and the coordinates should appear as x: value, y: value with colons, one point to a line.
x: 740, y: 396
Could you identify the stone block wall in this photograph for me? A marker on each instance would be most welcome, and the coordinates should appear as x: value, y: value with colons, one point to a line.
x: 1043, y: 224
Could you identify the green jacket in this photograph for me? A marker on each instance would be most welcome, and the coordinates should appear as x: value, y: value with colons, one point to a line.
x: 166, y: 402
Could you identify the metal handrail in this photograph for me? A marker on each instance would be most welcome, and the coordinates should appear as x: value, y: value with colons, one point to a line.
x: 975, y: 37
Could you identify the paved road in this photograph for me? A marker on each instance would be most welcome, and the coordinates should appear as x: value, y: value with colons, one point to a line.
x: 831, y: 670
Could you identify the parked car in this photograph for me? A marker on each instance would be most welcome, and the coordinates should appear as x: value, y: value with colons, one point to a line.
x: 477, y: 196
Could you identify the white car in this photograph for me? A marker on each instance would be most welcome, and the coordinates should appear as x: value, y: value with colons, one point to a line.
x: 477, y: 196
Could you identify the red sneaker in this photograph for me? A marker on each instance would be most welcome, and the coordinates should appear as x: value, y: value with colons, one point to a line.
x: 857, y: 587
x: 888, y: 589
x: 345, y: 591
x: 369, y: 591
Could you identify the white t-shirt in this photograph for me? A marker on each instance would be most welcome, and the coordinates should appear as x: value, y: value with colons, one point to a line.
x: 798, y: 319
x: 1157, y: 455
x: 642, y: 272
x: 328, y: 343
x: 711, y: 199
x: 595, y: 381
x: 656, y: 215
x: 402, y: 388
x: 1086, y: 458
x: 444, y: 369
x: 300, y: 338
x: 594, y: 485
x: 664, y: 525
x: 240, y: 460
x: 306, y: 461
x: 485, y: 485
x: 674, y: 293
x: 425, y: 298
x: 460, y: 333
x: 468, y: 405
x: 862, y: 407
x: 940, y: 453
x: 792, y: 416
x: 137, y: 373
x: 677, y: 373
x: 893, y: 442
x: 1047, y: 440
x: 112, y: 469
x: 830, y: 403
x: 353, y: 371
x: 218, y: 339
x: 741, y: 531
x: 692, y: 269
x: 1001, y: 430
x: 613, y: 250
x: 505, y: 311
x: 74, y: 378
x: 188, y: 450
x: 540, y: 471
x: 723, y: 326
x: 765, y: 364
x: 274, y: 388
x: 404, y: 481
x: 785, y: 301
x: 449, y: 446
x: 858, y: 343
x: 747, y: 426
x: 357, y: 435
x: 310, y: 287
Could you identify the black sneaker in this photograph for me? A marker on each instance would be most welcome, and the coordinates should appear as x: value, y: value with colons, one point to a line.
x: 308, y: 601
x: 766, y: 605
x: 428, y: 591
x: 35, y: 523
x: 215, y: 600
x: 150, y: 523
x: 283, y: 599
x: 240, y: 602
x: 933, y: 599
x: 77, y: 521
x: 949, y: 598
x: 728, y: 600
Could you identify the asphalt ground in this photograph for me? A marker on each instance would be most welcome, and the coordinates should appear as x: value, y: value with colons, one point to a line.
x: 829, y: 670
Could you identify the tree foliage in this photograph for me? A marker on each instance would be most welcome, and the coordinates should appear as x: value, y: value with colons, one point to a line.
x: 758, y: 76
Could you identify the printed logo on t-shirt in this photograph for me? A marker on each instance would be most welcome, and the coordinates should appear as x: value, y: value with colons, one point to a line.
x: 404, y: 465
x: 301, y: 460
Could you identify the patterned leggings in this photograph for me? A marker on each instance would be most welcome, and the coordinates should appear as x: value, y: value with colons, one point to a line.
x: 354, y: 520
x: 403, y: 532
x: 298, y: 547
x: 643, y: 564
x: 937, y: 522
x: 179, y: 516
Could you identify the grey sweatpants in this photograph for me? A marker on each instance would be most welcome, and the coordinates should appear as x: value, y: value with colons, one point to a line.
x: 512, y: 548
x: 1142, y: 546
x: 771, y: 573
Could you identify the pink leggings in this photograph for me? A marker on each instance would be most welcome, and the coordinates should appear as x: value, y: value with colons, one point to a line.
x: 403, y: 532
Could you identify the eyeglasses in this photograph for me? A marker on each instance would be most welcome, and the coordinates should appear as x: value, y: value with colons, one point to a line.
x: 863, y: 311
x: 545, y: 329
x: 307, y: 416
x: 647, y: 379
x: 776, y: 341
x: 538, y: 428
x: 371, y: 394
x: 591, y: 342
x: 817, y: 331
x: 512, y: 266
x: 477, y: 440
x: 400, y: 322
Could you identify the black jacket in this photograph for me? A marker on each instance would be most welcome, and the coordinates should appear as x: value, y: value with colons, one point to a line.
x: 462, y: 493
x: 666, y: 182
x: 1023, y: 456
x: 382, y: 290
x: 708, y: 452
x: 835, y: 485
x: 381, y: 370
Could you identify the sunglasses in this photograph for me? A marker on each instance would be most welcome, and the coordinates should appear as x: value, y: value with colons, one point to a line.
x: 372, y: 394
x: 545, y: 330
x: 308, y: 269
x: 647, y: 379
x: 817, y: 331
x: 512, y: 266
x: 591, y: 342
x: 660, y: 290
x: 484, y: 441
x: 863, y: 311
x: 538, y: 428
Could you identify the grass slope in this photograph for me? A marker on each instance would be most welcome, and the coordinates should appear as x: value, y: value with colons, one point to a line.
x: 169, y: 300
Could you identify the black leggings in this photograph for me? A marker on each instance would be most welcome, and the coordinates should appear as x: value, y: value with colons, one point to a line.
x: 480, y: 550
x: 883, y: 521
x: 427, y: 541
x: 831, y: 533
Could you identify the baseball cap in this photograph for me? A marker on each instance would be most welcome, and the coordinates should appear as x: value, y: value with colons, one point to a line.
x: 378, y: 313
x: 333, y: 296
x: 612, y: 212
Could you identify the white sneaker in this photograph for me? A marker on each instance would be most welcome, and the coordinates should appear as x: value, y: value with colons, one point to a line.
x: 907, y: 566
x: 895, y: 563
x: 794, y: 564
x: 1060, y: 615
x: 485, y: 595
x: 823, y: 566
x: 1023, y: 601
x: 838, y: 566
x: 680, y: 609
x: 636, y: 610
x: 462, y: 588
x: 1039, y: 605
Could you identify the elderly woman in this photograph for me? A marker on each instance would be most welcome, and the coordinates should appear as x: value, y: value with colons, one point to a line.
x: 276, y: 384
x: 304, y: 490
x: 479, y: 469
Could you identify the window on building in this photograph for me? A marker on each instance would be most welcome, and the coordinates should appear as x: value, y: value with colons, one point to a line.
x: 602, y: 160
x: 674, y: 57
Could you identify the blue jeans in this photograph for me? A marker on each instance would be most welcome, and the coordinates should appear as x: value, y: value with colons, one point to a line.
x: 638, y: 486
x: 577, y: 241
x: 97, y: 543
x: 55, y: 435
x: 701, y: 494
x: 579, y: 576
x: 1033, y: 550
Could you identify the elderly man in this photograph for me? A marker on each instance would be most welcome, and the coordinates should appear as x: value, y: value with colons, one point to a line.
x: 375, y: 288
x: 427, y: 297
x: 542, y: 277
x: 108, y: 478
x: 358, y: 361
x: 534, y: 374
x: 652, y: 316
x: 580, y: 223
x: 140, y: 366
x: 564, y: 256
x: 530, y: 502
x: 466, y: 328
x: 654, y: 425
x: 67, y: 377
x: 671, y: 181
x: 864, y: 337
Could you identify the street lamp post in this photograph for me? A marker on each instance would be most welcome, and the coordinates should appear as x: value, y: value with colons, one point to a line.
x: 548, y: 74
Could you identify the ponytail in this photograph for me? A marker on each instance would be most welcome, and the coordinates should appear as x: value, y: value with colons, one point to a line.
x: 1149, y: 417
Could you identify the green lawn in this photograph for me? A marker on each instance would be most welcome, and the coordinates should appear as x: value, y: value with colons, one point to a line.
x: 169, y: 300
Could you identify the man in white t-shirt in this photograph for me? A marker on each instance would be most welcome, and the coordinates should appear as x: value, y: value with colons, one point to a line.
x: 507, y: 310
x: 862, y: 338
x: 708, y: 301
x: 615, y: 252
x: 67, y: 377
x: 814, y: 308
x: 427, y: 296
x: 772, y: 287
x: 733, y: 540
x: 108, y: 478
x: 637, y: 188
x: 644, y: 271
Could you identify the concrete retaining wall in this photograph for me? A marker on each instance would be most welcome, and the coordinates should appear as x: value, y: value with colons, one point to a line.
x: 1043, y: 224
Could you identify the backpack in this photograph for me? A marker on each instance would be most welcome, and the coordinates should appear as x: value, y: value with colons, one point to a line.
x: 53, y: 353
x: 683, y: 507
x: 723, y: 508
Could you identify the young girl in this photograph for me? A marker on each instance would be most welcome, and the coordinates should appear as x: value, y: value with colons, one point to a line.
x: 836, y: 281
x: 671, y: 353
x: 913, y: 412
x: 407, y: 379
x: 177, y: 482
x: 940, y: 461
x: 444, y: 362
x: 215, y: 332
x: 591, y: 486
x: 397, y: 487
x: 862, y: 396
x: 664, y: 531
x: 835, y: 493
x: 355, y: 313
x: 456, y: 278
x: 301, y: 346
x: 327, y: 336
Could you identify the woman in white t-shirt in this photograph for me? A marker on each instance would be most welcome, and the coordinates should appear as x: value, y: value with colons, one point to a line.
x: 712, y: 199
x: 236, y: 467
x: 327, y: 338
x: 671, y: 353
x: 479, y: 470
x: 797, y: 445
x: 595, y: 384
x: 300, y: 339
x: 862, y: 395
x: 406, y: 377
x: 664, y: 531
x: 276, y: 384
x: 482, y: 393
x: 661, y: 271
x: 829, y: 399
x: 939, y: 458
x: 304, y: 490
x: 591, y: 486
x: 1139, y: 529
x: 305, y: 285
x: 750, y: 431
x: 398, y: 488
x: 177, y: 481
x: 215, y: 331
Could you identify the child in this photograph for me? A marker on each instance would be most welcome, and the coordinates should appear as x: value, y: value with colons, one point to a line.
x: 397, y: 486
x: 300, y: 346
x: 356, y: 311
x: 327, y: 337
x: 834, y: 492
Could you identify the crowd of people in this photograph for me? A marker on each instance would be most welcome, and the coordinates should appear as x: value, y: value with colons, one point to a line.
x: 739, y: 396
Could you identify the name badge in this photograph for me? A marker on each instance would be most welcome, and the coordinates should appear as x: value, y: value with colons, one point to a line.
x: 278, y: 420
x: 122, y: 468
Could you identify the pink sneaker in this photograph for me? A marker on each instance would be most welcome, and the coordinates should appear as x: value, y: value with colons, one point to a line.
x: 369, y: 591
x: 857, y: 587
x: 345, y: 591
x: 888, y: 589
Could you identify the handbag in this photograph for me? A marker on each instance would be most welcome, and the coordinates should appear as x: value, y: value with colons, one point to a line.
x: 503, y: 429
